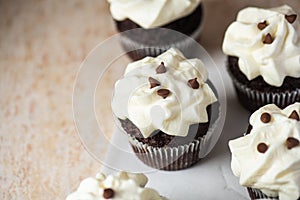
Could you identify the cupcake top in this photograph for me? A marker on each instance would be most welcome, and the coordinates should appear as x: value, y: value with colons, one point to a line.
x: 166, y: 93
x: 267, y: 43
x: 268, y: 158
x: 118, y: 187
x: 151, y: 13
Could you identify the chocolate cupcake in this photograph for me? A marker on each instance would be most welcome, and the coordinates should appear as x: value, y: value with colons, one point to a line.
x: 119, y: 186
x: 266, y: 158
x: 149, y: 27
x: 263, y: 48
x: 163, y: 104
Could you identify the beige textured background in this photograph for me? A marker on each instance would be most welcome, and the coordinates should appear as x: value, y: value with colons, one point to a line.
x: 42, y: 44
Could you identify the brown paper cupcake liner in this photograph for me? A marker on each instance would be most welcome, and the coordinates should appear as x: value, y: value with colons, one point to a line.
x: 253, y: 99
x: 168, y: 158
x: 256, y: 194
x: 136, y: 50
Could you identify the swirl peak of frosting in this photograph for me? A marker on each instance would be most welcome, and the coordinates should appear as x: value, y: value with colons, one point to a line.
x: 168, y: 98
x: 268, y: 158
x: 120, y: 186
x: 267, y: 43
x: 151, y: 13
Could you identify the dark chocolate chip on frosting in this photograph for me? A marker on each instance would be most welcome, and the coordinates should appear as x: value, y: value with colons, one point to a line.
x: 262, y: 25
x: 153, y: 82
x: 262, y: 147
x: 193, y: 83
x: 268, y: 39
x: 265, y: 117
x: 292, y: 142
x: 108, y: 193
x: 161, y: 68
x: 164, y: 93
x: 294, y: 115
x: 291, y: 18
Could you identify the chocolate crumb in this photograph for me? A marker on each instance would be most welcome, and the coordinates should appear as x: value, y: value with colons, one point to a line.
x: 268, y: 39
x: 294, y: 115
x: 291, y: 18
x: 262, y: 147
x: 163, y: 93
x: 262, y: 25
x: 108, y: 193
x: 161, y: 68
x: 292, y: 142
x: 193, y: 83
x: 153, y: 82
x: 265, y: 117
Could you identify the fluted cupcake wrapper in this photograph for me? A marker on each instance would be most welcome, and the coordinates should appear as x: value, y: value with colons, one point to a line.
x: 253, y: 99
x: 136, y: 50
x: 257, y: 194
x: 168, y: 158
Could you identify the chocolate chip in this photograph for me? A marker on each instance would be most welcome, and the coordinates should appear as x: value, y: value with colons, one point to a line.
x: 292, y: 142
x: 193, y: 83
x: 153, y: 82
x: 265, y: 117
x: 268, y: 39
x: 262, y: 25
x: 108, y: 193
x: 249, y: 129
x: 163, y: 93
x: 291, y: 18
x: 161, y: 68
x: 262, y: 147
x: 294, y: 115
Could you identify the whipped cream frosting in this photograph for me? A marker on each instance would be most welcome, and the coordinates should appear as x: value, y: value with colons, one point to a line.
x: 151, y: 13
x: 120, y: 186
x: 268, y: 158
x: 271, y: 49
x: 171, y: 105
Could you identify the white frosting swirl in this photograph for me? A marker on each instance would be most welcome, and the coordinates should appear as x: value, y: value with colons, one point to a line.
x: 277, y: 171
x: 272, y: 61
x: 133, y: 98
x: 151, y: 13
x: 124, y: 186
